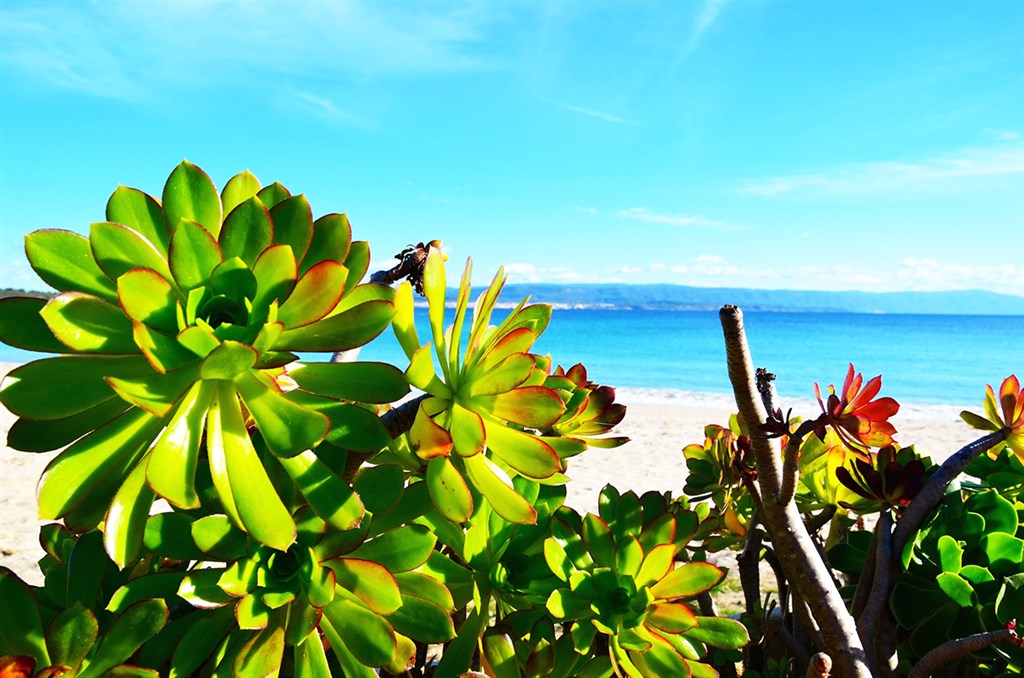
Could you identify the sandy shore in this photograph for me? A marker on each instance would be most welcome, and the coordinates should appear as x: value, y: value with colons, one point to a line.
x: 659, y: 424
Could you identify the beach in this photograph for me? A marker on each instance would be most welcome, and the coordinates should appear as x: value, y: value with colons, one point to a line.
x: 659, y: 424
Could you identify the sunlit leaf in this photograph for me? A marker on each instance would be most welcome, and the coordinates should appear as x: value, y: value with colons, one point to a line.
x: 21, y: 326
x: 172, y: 462
x: 64, y: 260
x: 189, y: 194
x: 140, y: 212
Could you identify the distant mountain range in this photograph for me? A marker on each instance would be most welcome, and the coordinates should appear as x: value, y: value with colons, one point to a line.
x: 682, y: 298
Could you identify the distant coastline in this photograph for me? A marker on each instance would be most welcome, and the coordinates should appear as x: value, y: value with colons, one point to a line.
x: 622, y: 297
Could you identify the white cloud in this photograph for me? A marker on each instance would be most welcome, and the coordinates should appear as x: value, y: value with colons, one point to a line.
x: 133, y: 50
x: 521, y: 272
x: 685, y: 220
x: 591, y: 113
x: 706, y: 17
x: 933, y: 174
x: 586, y: 210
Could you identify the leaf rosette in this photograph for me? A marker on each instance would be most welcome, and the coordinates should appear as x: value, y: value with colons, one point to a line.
x: 174, y: 319
x: 620, y: 578
x: 488, y: 406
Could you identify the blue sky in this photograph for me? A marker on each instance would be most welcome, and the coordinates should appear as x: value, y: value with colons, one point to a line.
x: 805, y: 145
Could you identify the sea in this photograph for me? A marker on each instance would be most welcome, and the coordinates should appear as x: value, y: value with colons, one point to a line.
x: 923, y: 359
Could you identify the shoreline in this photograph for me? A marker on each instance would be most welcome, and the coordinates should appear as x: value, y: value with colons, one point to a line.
x: 659, y: 423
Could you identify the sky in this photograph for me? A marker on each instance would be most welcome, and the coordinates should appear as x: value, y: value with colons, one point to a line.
x: 873, y: 146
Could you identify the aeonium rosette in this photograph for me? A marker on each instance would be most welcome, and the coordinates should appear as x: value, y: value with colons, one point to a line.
x: 855, y: 415
x: 488, y: 409
x: 173, y: 319
x: 1005, y: 413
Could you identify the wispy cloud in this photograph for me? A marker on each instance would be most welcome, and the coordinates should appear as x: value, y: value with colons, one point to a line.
x: 646, y: 215
x: 130, y: 50
x: 321, y: 107
x: 706, y: 17
x: 521, y: 272
x: 931, y: 174
x: 591, y: 113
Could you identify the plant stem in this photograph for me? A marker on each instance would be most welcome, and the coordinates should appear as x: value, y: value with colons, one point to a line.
x: 867, y: 620
x: 820, y: 666
x: 952, y: 650
x: 797, y: 555
x: 934, y: 489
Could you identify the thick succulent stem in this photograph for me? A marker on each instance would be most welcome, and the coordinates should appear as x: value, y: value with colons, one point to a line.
x: 880, y: 586
x: 797, y: 554
x: 951, y: 651
x: 934, y: 489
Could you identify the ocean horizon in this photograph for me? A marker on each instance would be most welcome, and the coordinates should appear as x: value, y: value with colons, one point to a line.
x: 666, y: 355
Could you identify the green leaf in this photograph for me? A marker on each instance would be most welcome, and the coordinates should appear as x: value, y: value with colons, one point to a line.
x: 259, y: 507
x: 1004, y: 552
x: 332, y: 237
x: 399, y: 550
x: 599, y: 540
x: 458, y: 655
x: 352, y: 427
x: 276, y: 271
x: 950, y: 554
x: 661, y: 659
x: 189, y: 194
x: 671, y: 617
x: 247, y: 231
x: 194, y: 253
x: 357, y: 262
x: 21, y: 326
x: 370, y: 582
x: 293, y: 224
x: 524, y: 452
x: 505, y: 376
x: 493, y: 483
x: 629, y: 556
x: 349, y: 329
x: 726, y: 634
x: 162, y: 585
x: 687, y: 581
x: 252, y: 613
x: 44, y: 435
x: 530, y: 406
x: 130, y: 630
x: 468, y: 431
x: 170, y: 535
x: 273, y: 194
x: 366, y: 382
x: 171, y: 470
x: 99, y: 458
x: 202, y: 588
x: 261, y: 655
x: 21, y: 626
x: 315, y: 295
x: 200, y: 641
x: 28, y: 390
x: 999, y: 513
x: 118, y: 249
x: 287, y: 427
x: 164, y: 353
x: 380, y: 486
x: 957, y: 588
x: 71, y: 636
x: 239, y: 188
x: 141, y: 212
x: 148, y: 298
x: 657, y: 563
x: 403, y: 324
x: 448, y: 490
x: 365, y: 634
x: 89, y: 324
x: 422, y: 620
x: 126, y: 517
x: 65, y: 262
x: 218, y: 538
x: 228, y: 361
x: 156, y: 393
x: 329, y: 496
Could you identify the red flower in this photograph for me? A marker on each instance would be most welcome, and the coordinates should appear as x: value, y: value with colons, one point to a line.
x: 858, y: 419
x: 1010, y: 420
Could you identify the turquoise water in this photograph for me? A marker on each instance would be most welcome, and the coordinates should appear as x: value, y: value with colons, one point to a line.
x: 926, y: 359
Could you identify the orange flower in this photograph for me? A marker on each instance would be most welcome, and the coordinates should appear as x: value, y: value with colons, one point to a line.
x: 1011, y: 421
x: 859, y: 420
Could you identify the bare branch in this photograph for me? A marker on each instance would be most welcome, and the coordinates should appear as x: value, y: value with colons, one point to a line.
x: 930, y: 495
x: 803, y: 567
x: 820, y: 666
x: 867, y: 620
x: 952, y: 650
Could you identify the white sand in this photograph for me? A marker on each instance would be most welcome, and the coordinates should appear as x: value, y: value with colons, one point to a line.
x: 659, y: 424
